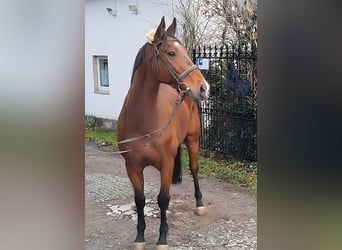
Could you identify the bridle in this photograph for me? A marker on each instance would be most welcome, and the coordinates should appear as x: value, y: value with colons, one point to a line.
x: 182, y: 89
x: 181, y: 86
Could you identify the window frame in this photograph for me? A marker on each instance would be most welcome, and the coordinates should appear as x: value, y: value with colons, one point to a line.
x: 98, y: 88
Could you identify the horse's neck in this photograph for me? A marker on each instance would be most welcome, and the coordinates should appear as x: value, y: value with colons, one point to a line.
x: 143, y: 97
x: 145, y: 85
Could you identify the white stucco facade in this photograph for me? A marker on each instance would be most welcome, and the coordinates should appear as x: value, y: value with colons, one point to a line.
x: 119, y: 38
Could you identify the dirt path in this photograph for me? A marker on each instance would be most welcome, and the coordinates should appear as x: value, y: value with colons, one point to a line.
x: 230, y: 222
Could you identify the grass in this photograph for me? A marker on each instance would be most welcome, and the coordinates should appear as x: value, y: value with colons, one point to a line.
x: 105, y: 137
x: 243, y: 173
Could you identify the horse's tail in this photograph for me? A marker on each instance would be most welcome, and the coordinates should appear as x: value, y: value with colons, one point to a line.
x: 177, y: 171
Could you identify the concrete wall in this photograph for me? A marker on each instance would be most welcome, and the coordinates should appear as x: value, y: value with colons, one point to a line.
x: 119, y: 38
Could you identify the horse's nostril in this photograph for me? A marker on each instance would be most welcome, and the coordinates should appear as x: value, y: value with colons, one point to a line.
x: 203, y: 88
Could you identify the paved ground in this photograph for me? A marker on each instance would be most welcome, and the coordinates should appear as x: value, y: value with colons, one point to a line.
x: 230, y: 222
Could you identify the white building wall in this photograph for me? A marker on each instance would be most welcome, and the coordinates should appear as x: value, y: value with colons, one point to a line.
x: 119, y: 38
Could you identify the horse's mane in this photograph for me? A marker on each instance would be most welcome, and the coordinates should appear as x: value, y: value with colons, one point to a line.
x: 138, y: 60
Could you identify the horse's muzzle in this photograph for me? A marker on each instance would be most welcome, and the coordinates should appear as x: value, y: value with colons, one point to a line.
x: 204, y: 91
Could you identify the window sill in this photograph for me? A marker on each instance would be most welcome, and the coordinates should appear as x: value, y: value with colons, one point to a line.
x: 103, y: 92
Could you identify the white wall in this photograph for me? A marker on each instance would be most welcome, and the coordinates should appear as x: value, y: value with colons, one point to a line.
x: 119, y: 38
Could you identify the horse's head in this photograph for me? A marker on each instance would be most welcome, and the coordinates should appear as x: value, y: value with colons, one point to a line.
x: 173, y: 63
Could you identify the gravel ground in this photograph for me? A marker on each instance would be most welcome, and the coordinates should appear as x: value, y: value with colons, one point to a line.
x: 230, y: 221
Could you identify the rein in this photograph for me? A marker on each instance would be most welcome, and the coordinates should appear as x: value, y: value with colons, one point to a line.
x: 182, y: 89
x: 155, y: 133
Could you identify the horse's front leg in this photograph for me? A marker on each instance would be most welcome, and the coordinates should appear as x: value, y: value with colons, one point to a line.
x: 137, y: 180
x: 192, y: 144
x: 163, y: 202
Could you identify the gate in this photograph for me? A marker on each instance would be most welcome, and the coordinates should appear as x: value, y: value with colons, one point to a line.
x: 229, y: 115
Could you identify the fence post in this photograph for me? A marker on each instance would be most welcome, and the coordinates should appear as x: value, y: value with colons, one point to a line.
x: 194, y: 56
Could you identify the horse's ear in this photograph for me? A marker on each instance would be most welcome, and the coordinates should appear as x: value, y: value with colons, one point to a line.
x: 160, y: 30
x: 172, y: 28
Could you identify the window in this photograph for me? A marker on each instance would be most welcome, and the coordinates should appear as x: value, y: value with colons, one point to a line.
x: 101, y: 79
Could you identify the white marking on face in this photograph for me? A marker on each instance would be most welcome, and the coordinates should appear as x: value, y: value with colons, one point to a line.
x: 207, y: 89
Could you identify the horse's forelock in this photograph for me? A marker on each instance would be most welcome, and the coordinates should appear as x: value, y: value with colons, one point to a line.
x: 150, y: 36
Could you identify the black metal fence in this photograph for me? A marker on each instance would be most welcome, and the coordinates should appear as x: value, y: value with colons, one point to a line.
x: 229, y: 115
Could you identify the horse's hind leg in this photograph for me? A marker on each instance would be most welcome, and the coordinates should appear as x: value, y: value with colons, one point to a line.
x: 192, y: 144
x: 137, y: 180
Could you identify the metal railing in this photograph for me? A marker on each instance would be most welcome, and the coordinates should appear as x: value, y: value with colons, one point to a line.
x: 229, y: 115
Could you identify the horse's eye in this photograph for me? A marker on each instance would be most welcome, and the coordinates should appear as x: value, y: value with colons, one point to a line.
x: 171, y: 53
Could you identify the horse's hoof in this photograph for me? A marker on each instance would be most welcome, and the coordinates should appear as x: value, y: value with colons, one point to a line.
x: 139, y: 246
x: 200, y: 211
x: 162, y: 247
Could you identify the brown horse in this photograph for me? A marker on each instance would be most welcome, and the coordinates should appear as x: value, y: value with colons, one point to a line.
x: 159, y: 113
